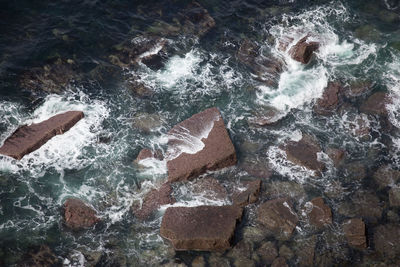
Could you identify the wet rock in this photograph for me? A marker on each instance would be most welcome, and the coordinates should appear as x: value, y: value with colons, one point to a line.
x: 154, y: 200
x: 355, y: 171
x: 376, y: 104
x: 284, y: 43
x: 286, y: 252
x: 146, y: 153
x: 147, y: 122
x: 266, y: 117
x: 206, y: 228
x: 327, y: 104
x: 210, y: 188
x: 386, y: 238
x: 319, y: 213
x: 40, y: 256
x: 278, y: 217
x: 304, y: 152
x: 354, y: 231
x: 218, y: 261
x: 254, y: 234
x: 389, y: 16
x: 244, y: 262
x: 199, y: 262
x: 215, y: 149
x: 392, y: 216
x: 386, y: 176
x: 77, y: 215
x: 305, y: 251
x: 29, y: 138
x: 279, y: 262
x: 242, y: 250
x: 267, y: 252
x: 256, y: 167
x: 278, y: 189
x: 394, y: 197
x: 357, y: 89
x: 336, y: 155
x: 196, y: 20
x: 249, y: 195
x: 138, y: 89
x: 362, y: 204
x: 303, y: 50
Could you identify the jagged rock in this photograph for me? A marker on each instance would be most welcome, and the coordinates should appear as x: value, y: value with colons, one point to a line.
x: 336, y: 155
x: 218, y: 261
x: 394, y: 197
x: 304, y: 152
x: 284, y: 43
x: 267, y: 252
x: 386, y: 176
x: 153, y: 201
x: 386, y: 238
x: 362, y: 204
x: 279, y: 262
x: 376, y: 104
x: 329, y: 101
x: 210, y: 188
x: 278, y: 217
x: 209, y: 228
x: 40, y: 256
x: 319, y: 213
x: 249, y: 195
x: 354, y: 231
x: 213, y: 148
x: 77, y: 215
x: 303, y: 50
x: 29, y: 138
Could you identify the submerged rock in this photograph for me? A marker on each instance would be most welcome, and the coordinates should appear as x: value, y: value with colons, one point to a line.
x: 249, y: 195
x: 279, y: 262
x: 208, y: 228
x: 386, y: 238
x: 303, y: 50
x: 358, y: 88
x: 278, y: 217
x: 394, y: 197
x: 305, y: 251
x: 354, y: 231
x: 77, y: 215
x: 386, y: 176
x: 362, y: 204
x: 199, y: 144
x: 329, y: 101
x: 147, y: 122
x: 319, y: 213
x: 40, y: 256
x: 336, y: 155
x: 376, y: 104
x: 196, y: 20
x: 29, y: 138
x: 267, y: 252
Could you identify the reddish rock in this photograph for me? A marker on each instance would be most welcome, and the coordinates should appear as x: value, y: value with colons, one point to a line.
x: 146, y: 153
x: 29, y: 138
x: 376, y: 104
x: 386, y: 238
x: 354, y: 231
x: 78, y: 215
x: 154, y: 200
x: 329, y: 101
x: 248, y: 196
x: 207, y: 228
x: 303, y: 50
x: 284, y: 43
x: 357, y: 89
x: 304, y: 152
x: 210, y: 188
x: 216, y: 151
x: 336, y: 155
x: 320, y: 213
x: 278, y: 217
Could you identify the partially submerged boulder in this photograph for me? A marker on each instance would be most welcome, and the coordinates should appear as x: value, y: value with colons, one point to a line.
x: 78, y: 215
x: 29, y: 138
x: 207, y: 228
x: 199, y: 144
x: 354, y: 231
x: 303, y: 50
x: 146, y: 153
x: 329, y: 101
x: 248, y: 195
x: 279, y: 217
x: 376, y: 104
x: 319, y: 213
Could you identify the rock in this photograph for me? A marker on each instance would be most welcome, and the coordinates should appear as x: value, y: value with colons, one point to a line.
x: 265, y: 117
x: 386, y: 238
x: 303, y: 50
x: 210, y: 188
x: 147, y: 122
x: 394, y: 197
x: 329, y: 101
x: 254, y: 234
x: 279, y: 262
x: 386, y: 176
x: 156, y: 58
x: 249, y: 195
x: 29, y: 138
x: 278, y: 217
x: 286, y: 252
x: 304, y: 152
x: 218, y: 261
x: 154, y: 200
x: 284, y: 43
x: 336, y: 155
x: 196, y: 20
x: 367, y: 33
x: 243, y: 249
x: 146, y: 153
x: 199, y: 144
x: 319, y: 214
x: 40, y: 256
x: 199, y: 262
x: 305, y: 251
x: 354, y: 231
x: 256, y: 167
x: 267, y: 252
x: 376, y: 104
x: 244, y: 262
x: 208, y: 228
x: 138, y: 89
x: 77, y: 215
x: 355, y: 171
x: 362, y: 204
x: 278, y: 189
x: 357, y: 89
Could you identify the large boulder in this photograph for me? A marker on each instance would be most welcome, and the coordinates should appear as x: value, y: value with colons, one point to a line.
x: 376, y: 104
x: 354, y: 231
x: 279, y: 217
x: 303, y: 50
x: 207, y: 228
x: 199, y: 144
x: 28, y: 138
x: 78, y: 215
x: 318, y: 212
x: 329, y: 101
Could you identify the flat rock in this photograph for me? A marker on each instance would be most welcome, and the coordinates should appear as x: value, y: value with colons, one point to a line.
x: 29, y: 138
x: 206, y: 228
x: 77, y: 215
x: 303, y: 50
x: 386, y: 238
x: 376, y: 104
x: 327, y: 104
x: 249, y: 195
x: 354, y: 231
x: 304, y: 152
x: 210, y: 188
x: 279, y: 217
x: 319, y: 213
x: 199, y: 144
x: 154, y: 200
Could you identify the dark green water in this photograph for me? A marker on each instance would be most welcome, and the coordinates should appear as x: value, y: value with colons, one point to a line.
x: 360, y: 42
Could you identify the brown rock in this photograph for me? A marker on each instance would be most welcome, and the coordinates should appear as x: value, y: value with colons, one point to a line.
x: 267, y: 252
x: 146, y: 153
x: 303, y: 50
x: 362, y: 204
x: 28, y: 138
x: 279, y: 262
x: 386, y: 238
x: 278, y: 217
x: 248, y: 196
x: 354, y: 231
x: 329, y: 101
x: 394, y: 197
x: 357, y: 89
x: 320, y: 213
x: 210, y: 188
x: 376, y: 104
x: 154, y: 200
x: 386, y: 176
x: 336, y: 155
x: 78, y: 215
x: 304, y: 152
x: 206, y: 228
x: 256, y: 167
x: 284, y: 43
x: 305, y: 251
x: 217, y: 151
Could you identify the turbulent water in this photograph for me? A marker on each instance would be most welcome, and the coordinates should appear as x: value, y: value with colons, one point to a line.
x: 359, y: 42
